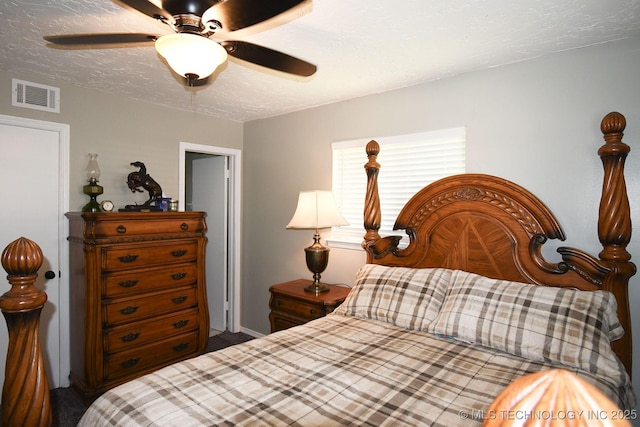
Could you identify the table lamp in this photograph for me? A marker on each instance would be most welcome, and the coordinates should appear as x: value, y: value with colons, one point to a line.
x: 316, y: 210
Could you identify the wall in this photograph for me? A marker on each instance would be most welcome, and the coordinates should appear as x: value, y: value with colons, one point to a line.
x: 536, y: 123
x: 122, y: 131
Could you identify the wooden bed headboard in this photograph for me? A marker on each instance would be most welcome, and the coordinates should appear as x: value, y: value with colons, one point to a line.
x: 490, y: 226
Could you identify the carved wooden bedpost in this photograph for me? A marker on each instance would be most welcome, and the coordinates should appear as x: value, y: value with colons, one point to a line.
x: 372, y: 214
x: 614, y: 222
x: 554, y: 391
x: 25, y: 394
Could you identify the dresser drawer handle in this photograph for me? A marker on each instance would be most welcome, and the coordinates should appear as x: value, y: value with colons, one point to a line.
x: 312, y: 311
x: 130, y: 363
x: 184, y: 226
x: 128, y: 258
x: 128, y: 283
x: 121, y: 229
x: 279, y: 303
x: 179, y: 299
x: 180, y: 324
x: 180, y: 347
x: 130, y: 337
x: 179, y: 253
x: 129, y: 310
x: 178, y: 276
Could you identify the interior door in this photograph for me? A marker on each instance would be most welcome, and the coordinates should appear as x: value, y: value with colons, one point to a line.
x: 210, y: 193
x: 30, y: 177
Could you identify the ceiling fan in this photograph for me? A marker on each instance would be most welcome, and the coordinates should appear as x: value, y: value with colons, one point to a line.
x: 189, y: 50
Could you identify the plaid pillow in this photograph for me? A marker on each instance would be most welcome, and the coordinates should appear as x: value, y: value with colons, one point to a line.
x: 562, y: 325
x: 406, y: 297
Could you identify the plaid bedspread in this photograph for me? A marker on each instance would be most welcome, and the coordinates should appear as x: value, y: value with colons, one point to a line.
x: 334, y: 371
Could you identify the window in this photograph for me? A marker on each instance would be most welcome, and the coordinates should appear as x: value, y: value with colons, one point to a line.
x: 408, y: 163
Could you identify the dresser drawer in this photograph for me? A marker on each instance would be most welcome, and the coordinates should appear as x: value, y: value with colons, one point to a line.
x: 296, y: 308
x: 132, y: 362
x: 145, y: 331
x: 133, y: 309
x: 145, y: 225
x: 135, y: 256
x: 157, y: 278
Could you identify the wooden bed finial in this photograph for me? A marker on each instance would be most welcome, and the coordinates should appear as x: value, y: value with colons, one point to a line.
x: 614, y: 225
x: 372, y: 214
x: 25, y: 394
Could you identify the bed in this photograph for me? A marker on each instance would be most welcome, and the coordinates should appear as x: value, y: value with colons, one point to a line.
x: 431, y: 333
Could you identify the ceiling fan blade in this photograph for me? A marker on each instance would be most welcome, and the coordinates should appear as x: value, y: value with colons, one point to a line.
x: 88, y: 40
x: 237, y: 14
x: 149, y: 9
x: 268, y: 58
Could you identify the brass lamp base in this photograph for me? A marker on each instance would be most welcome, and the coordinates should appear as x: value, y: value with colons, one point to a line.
x: 316, y: 288
x: 317, y: 257
x: 93, y: 190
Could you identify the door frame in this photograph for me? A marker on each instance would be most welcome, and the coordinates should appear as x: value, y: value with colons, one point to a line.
x: 63, y: 131
x: 235, y: 165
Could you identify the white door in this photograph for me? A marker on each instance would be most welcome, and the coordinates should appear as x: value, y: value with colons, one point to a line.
x: 210, y: 193
x: 30, y: 178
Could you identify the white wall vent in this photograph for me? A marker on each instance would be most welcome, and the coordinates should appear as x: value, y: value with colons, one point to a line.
x: 33, y: 95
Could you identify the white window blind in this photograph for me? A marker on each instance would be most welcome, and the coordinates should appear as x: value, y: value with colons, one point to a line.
x: 408, y: 163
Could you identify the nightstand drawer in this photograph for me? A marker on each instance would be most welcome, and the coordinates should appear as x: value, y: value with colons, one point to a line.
x: 145, y: 357
x: 296, y: 308
x: 149, y: 279
x: 279, y: 323
x: 133, y: 309
x: 139, y: 333
x: 292, y: 305
x: 118, y: 258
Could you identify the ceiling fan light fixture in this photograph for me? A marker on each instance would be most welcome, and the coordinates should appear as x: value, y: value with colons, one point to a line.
x: 191, y: 55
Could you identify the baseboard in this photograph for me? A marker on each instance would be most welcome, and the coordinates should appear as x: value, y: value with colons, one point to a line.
x: 251, y: 332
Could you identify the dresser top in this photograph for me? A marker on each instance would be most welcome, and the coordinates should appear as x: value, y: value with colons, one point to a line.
x: 120, y: 216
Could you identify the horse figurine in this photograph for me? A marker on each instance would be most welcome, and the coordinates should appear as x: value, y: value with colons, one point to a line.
x: 141, y: 178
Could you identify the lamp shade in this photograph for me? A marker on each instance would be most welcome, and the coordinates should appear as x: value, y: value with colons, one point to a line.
x: 315, y: 210
x: 191, y: 54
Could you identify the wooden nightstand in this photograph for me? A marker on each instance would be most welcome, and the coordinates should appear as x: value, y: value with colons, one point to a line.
x: 291, y: 305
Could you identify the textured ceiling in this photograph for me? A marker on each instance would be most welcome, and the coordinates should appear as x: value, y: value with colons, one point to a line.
x: 361, y: 47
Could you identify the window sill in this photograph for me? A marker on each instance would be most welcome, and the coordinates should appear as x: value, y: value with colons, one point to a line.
x: 345, y: 243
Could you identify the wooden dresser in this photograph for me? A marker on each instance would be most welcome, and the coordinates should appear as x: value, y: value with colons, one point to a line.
x: 137, y: 294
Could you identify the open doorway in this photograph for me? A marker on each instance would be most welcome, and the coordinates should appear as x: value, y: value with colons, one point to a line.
x: 210, y: 182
